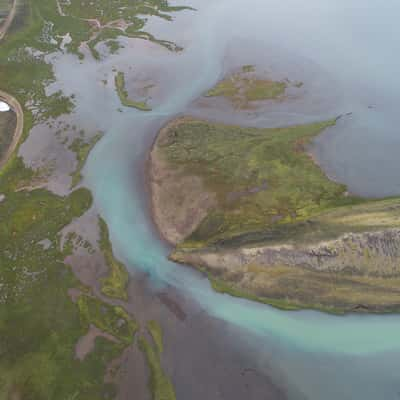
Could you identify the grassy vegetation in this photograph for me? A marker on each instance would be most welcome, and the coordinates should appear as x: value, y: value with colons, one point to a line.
x: 295, y: 288
x: 131, y: 12
x: 155, y: 331
x: 262, y: 178
x: 111, y: 319
x: 123, y: 94
x: 115, y: 284
x: 244, y: 87
x: 82, y: 149
x: 113, y: 46
x: 39, y: 325
x: 109, y: 20
x: 160, y: 385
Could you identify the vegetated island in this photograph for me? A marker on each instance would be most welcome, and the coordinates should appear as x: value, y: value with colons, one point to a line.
x: 244, y: 87
x: 123, y: 94
x: 252, y: 209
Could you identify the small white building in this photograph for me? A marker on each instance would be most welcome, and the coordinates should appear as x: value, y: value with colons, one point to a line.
x: 4, y: 106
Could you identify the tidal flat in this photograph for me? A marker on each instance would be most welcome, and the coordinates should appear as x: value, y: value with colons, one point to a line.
x: 254, y: 350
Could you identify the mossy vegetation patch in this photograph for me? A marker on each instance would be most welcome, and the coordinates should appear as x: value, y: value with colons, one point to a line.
x: 111, y: 319
x: 82, y: 148
x: 155, y: 331
x: 262, y: 178
x: 295, y: 288
x: 115, y: 284
x: 245, y: 86
x: 123, y: 94
x: 39, y: 324
x: 159, y: 383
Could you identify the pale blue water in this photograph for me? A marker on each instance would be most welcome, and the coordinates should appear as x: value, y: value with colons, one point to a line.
x: 351, y: 47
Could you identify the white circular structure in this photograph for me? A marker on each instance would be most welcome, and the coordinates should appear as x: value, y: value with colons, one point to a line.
x: 4, y: 106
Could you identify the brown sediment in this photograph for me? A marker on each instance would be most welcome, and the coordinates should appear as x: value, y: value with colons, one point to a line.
x: 176, y: 213
x: 74, y: 294
x: 172, y: 305
x: 86, y: 343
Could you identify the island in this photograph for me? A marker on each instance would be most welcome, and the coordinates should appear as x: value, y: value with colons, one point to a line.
x: 123, y: 94
x: 251, y: 208
x: 245, y: 86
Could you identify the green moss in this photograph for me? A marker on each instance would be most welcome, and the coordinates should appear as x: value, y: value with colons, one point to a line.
x: 263, y: 178
x: 287, y: 304
x: 155, y: 331
x: 115, y: 284
x: 244, y: 87
x: 111, y: 319
x: 82, y: 149
x: 39, y: 325
x: 113, y: 46
x: 160, y: 385
x: 123, y: 94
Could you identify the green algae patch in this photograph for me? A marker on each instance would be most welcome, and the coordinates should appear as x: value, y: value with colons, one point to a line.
x: 244, y: 87
x: 123, y: 94
x: 155, y: 331
x: 115, y: 284
x: 81, y: 148
x: 160, y: 385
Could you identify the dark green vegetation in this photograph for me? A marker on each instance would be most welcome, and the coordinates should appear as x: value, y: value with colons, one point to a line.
x: 108, y: 20
x: 132, y: 12
x: 7, y: 128
x: 123, y: 94
x: 111, y: 319
x: 40, y: 26
x: 160, y: 385
x: 278, y: 230
x: 82, y: 149
x: 262, y: 177
x: 244, y: 87
x: 114, y: 285
x: 39, y: 325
